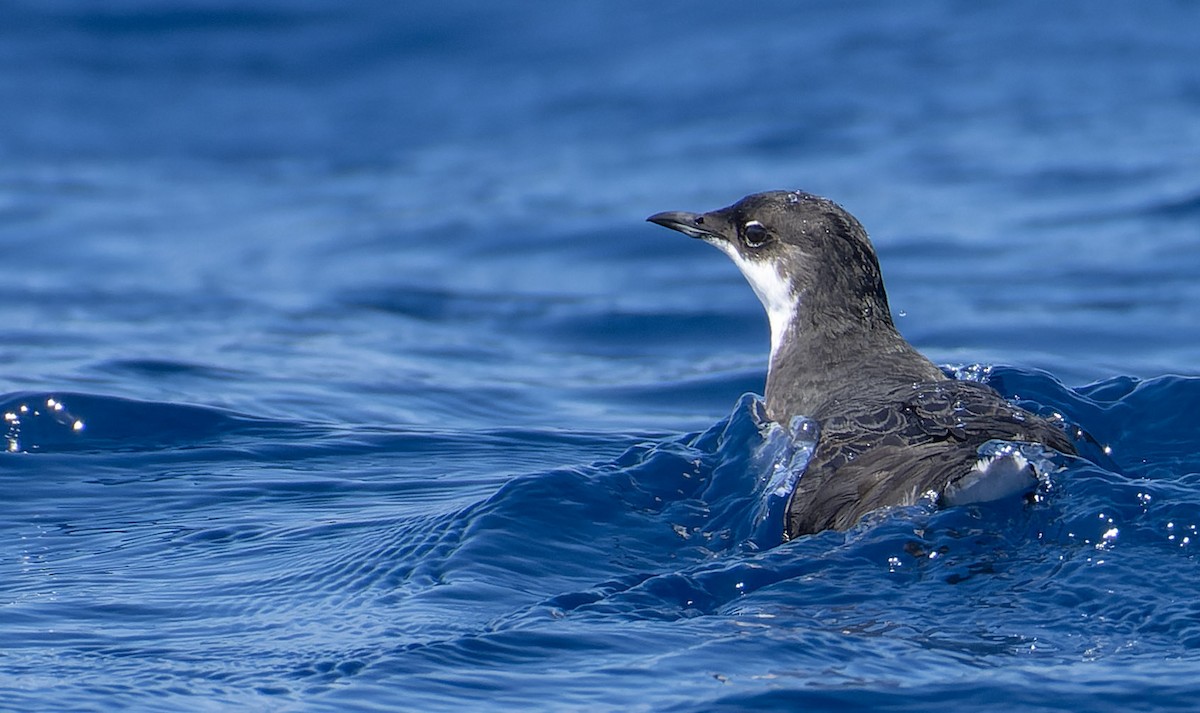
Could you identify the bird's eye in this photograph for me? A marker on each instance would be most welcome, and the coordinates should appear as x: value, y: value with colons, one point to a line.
x: 755, y: 234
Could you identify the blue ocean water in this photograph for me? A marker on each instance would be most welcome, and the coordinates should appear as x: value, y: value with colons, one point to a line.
x: 340, y: 372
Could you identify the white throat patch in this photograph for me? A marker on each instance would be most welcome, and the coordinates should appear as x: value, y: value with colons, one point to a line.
x: 772, y: 290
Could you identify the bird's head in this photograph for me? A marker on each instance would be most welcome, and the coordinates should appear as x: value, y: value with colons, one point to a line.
x: 805, y: 256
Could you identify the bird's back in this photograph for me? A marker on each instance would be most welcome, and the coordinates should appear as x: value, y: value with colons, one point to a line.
x: 891, y: 448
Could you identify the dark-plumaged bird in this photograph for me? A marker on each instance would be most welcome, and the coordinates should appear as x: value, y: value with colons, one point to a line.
x: 892, y: 425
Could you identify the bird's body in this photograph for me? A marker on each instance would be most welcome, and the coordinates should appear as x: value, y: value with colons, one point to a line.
x: 897, y: 444
x: 892, y: 425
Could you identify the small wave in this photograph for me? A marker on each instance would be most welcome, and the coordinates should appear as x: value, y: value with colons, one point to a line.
x: 721, y: 492
x: 163, y: 368
x: 1136, y: 425
x: 66, y: 422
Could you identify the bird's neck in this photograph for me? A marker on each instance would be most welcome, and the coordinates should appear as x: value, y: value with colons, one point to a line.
x: 821, y: 358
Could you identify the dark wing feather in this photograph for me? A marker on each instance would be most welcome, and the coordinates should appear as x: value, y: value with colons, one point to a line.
x: 892, y: 450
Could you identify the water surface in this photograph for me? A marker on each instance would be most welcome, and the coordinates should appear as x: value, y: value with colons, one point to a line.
x: 388, y: 399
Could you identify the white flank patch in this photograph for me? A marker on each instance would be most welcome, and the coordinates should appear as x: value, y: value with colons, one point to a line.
x: 772, y: 290
x: 1001, y: 462
x: 993, y: 477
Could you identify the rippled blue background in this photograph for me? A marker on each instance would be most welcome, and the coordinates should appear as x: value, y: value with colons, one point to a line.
x: 390, y: 400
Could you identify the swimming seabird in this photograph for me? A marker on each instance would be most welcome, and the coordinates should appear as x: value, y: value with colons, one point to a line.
x: 892, y: 425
